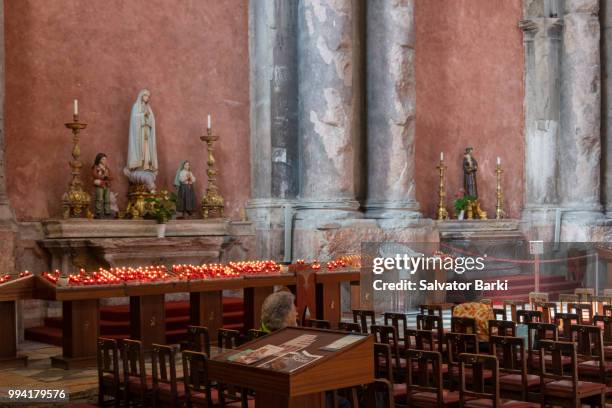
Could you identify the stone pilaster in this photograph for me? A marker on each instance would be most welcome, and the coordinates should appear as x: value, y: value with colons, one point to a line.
x: 391, y: 106
x: 542, y: 44
x: 274, y: 145
x: 580, y: 144
x: 8, y: 226
x: 606, y: 100
x: 330, y: 90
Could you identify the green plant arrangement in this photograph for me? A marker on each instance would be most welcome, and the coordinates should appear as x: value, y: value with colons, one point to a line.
x: 462, y: 203
x: 163, y: 206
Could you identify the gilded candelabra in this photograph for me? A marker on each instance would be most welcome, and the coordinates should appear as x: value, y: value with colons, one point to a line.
x: 499, y: 205
x: 212, y: 203
x: 75, y: 202
x: 442, y: 213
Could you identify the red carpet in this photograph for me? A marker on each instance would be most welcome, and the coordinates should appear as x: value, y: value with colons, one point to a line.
x: 115, y: 323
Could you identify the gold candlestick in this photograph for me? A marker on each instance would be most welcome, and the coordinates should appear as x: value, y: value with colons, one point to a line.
x: 441, y: 213
x: 212, y: 203
x: 499, y: 205
x: 75, y: 202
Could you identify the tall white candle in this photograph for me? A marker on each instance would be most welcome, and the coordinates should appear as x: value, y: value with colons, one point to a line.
x: 441, y: 156
x: 209, y: 121
x: 76, y: 107
x: 498, y: 160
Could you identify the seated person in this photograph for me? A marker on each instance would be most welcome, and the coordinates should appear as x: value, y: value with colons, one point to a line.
x: 278, y: 311
x: 480, y: 312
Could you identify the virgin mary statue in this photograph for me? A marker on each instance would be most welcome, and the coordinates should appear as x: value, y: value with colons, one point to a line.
x: 142, y: 149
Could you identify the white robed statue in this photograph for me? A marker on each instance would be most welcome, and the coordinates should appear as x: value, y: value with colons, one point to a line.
x: 142, y: 148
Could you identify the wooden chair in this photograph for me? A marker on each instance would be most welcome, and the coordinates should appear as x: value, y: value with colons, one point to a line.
x: 500, y: 313
x: 253, y: 334
x: 382, y: 361
x: 422, y: 340
x: 585, y: 294
x: 583, y: 310
x: 431, y: 309
x: 548, y: 309
x: 605, y: 322
x: 198, y: 340
x: 560, y: 386
x: 432, y: 323
x: 564, y: 322
x: 198, y: 388
x: 537, y: 297
x: 514, y: 305
x: 567, y: 298
x: 607, y: 310
x: 400, y: 322
x: 473, y: 394
x: 361, y: 316
x: 138, y: 386
x: 319, y: 324
x: 456, y: 344
x: 590, y: 353
x: 388, y: 335
x: 528, y: 316
x: 502, y: 328
x: 379, y: 392
x: 228, y: 339
x: 536, y: 332
x: 514, y: 382
x: 166, y: 390
x: 424, y: 386
x: 109, y: 384
x: 466, y: 325
x: 599, y: 302
x: 349, y: 327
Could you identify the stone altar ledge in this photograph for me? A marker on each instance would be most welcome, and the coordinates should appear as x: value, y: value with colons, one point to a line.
x: 85, y: 228
x: 479, y: 229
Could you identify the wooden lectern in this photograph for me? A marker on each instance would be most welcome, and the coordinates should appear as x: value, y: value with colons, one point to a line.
x: 349, y: 366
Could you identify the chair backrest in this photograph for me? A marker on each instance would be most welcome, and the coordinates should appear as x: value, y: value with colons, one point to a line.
x: 510, y: 352
x: 199, y: 339
x: 349, y: 327
x: 383, y: 361
x: 319, y: 324
x: 475, y: 388
x: 387, y: 335
x: 607, y: 310
x: 163, y: 367
x: 422, y: 340
x: 515, y: 305
x: 432, y: 323
x: 431, y: 309
x: 397, y: 320
x: 465, y: 325
x: 556, y: 369
x: 564, y: 322
x: 107, y: 354
x: 548, y: 309
x: 227, y: 338
x: 589, y: 346
x: 567, y: 298
x: 379, y: 391
x: 253, y: 334
x: 502, y: 328
x: 583, y: 310
x: 458, y: 343
x: 538, y: 297
x: 599, y: 302
x: 424, y: 374
x: 500, y: 313
x: 605, y: 322
x: 361, y: 316
x: 537, y: 332
x: 132, y: 356
x: 528, y: 316
x: 195, y: 376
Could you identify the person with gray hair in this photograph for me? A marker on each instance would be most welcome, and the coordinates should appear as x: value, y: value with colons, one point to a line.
x: 278, y: 311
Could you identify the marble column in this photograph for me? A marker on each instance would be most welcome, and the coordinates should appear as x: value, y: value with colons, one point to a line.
x: 542, y: 44
x: 580, y: 144
x: 330, y: 90
x: 274, y: 143
x: 8, y: 226
x: 606, y: 100
x: 391, y: 103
